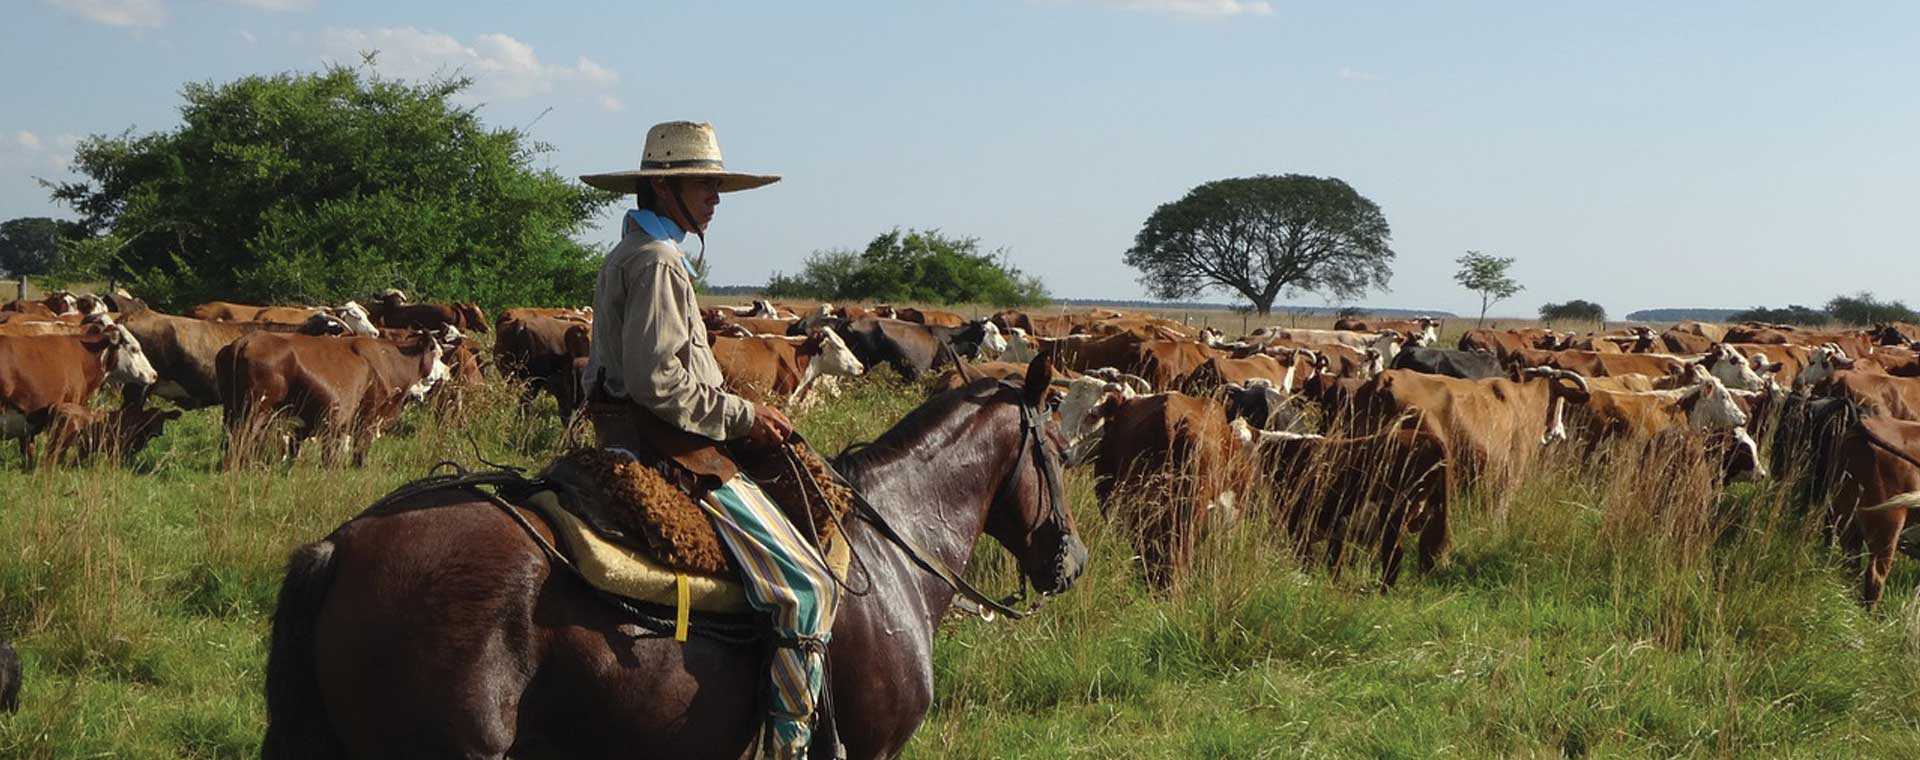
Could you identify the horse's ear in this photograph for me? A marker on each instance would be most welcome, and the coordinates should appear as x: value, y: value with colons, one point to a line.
x: 1039, y: 378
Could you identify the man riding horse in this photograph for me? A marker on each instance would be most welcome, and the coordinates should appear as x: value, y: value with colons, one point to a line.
x: 657, y: 390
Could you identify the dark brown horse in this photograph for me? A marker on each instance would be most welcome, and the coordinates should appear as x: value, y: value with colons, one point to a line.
x: 441, y: 631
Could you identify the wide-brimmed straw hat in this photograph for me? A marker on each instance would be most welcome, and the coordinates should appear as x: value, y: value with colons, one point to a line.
x: 680, y: 149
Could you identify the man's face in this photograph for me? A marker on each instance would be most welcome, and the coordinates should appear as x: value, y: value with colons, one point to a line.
x: 700, y: 197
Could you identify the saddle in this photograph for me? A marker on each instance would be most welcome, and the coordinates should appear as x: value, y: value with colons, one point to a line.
x: 634, y: 531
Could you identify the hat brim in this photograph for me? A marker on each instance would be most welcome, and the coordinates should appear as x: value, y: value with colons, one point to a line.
x: 629, y: 181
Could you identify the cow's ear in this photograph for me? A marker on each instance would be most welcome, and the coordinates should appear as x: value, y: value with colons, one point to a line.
x: 1109, y: 405
x: 1039, y: 378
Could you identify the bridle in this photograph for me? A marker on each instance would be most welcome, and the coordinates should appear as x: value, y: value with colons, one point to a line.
x: 972, y: 599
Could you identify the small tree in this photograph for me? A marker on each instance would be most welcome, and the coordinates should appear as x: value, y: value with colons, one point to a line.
x: 1486, y: 275
x: 1263, y: 236
x: 1575, y: 310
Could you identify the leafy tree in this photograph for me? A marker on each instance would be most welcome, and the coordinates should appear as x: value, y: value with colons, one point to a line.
x: 1792, y: 315
x: 1263, y: 236
x: 1575, y: 310
x: 1486, y: 275
x: 326, y: 186
x: 1863, y: 309
x: 30, y: 245
x: 920, y: 266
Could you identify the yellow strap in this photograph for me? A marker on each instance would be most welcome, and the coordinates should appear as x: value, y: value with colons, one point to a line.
x: 680, y: 610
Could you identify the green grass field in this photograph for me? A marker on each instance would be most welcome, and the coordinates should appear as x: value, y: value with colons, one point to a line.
x: 1587, y: 615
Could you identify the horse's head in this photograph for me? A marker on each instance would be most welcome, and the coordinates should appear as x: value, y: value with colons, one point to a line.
x: 1030, y: 515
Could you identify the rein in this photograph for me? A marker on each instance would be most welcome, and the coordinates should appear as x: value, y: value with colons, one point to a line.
x: 978, y: 601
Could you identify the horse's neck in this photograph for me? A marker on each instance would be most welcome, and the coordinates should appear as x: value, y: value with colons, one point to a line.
x: 937, y: 492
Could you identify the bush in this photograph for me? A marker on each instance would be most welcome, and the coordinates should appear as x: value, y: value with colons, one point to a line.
x: 329, y: 186
x: 1861, y: 309
x: 918, y: 266
x: 1575, y: 310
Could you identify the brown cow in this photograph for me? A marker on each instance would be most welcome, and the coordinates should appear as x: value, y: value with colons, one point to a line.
x: 1039, y: 325
x: 40, y: 371
x: 1503, y: 342
x: 1376, y: 489
x: 1175, y: 460
x: 1590, y: 363
x: 934, y: 317
x: 347, y: 389
x: 1896, y: 397
x: 1161, y: 362
x: 763, y: 367
x: 1706, y: 407
x: 1492, y: 426
x: 1218, y: 371
x: 224, y: 311
x: 577, y: 315
x: 1878, y: 463
x: 392, y: 310
x: 540, y: 351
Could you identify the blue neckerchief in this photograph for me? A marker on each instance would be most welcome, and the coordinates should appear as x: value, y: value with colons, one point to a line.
x: 659, y: 228
x: 656, y: 226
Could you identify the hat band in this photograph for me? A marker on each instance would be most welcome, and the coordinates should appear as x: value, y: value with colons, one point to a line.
x: 690, y: 163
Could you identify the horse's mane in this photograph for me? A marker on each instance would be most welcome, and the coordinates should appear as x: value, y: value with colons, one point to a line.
x: 856, y: 459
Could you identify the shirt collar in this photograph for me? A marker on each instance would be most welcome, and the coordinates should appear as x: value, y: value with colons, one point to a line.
x: 654, y: 226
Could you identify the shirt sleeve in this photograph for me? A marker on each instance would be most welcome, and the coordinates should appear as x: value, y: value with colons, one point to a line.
x: 656, y: 376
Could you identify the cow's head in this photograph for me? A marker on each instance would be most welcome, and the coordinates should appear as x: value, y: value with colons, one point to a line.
x: 357, y: 318
x: 992, y: 342
x: 834, y: 358
x: 1081, y: 417
x: 126, y: 363
x: 1429, y: 332
x: 1822, y: 362
x: 1710, y: 406
x: 1723, y: 362
x: 1259, y: 402
x: 322, y: 323
x: 436, y: 371
x: 1387, y: 346
x: 393, y: 297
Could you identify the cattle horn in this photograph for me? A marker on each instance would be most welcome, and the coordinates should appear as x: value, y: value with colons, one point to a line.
x: 1137, y: 383
x: 1578, y: 380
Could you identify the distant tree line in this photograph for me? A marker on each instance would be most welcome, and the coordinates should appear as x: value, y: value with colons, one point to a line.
x: 912, y: 266
x: 1858, y: 309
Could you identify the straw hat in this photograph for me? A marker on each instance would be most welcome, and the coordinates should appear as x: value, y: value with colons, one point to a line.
x: 679, y: 149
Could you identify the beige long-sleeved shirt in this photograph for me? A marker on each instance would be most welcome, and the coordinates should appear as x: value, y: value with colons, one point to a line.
x: 650, y: 340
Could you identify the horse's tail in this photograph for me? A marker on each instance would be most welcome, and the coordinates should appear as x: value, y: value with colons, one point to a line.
x: 296, y: 720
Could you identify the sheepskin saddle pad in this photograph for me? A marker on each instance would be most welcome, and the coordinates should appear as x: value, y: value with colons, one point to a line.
x: 633, y: 533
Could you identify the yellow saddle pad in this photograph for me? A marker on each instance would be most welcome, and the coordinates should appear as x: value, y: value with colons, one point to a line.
x: 618, y: 570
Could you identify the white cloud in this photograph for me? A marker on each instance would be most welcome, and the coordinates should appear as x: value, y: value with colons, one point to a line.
x: 1355, y: 75
x: 611, y: 104
x: 502, y: 67
x: 1193, y: 7
x: 149, y: 13
x: 28, y: 150
x: 276, y: 6
x: 246, y: 36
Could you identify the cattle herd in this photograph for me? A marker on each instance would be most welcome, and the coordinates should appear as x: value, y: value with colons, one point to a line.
x: 1363, y: 432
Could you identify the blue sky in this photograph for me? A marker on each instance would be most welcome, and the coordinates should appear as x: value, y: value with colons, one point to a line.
x: 1635, y: 154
